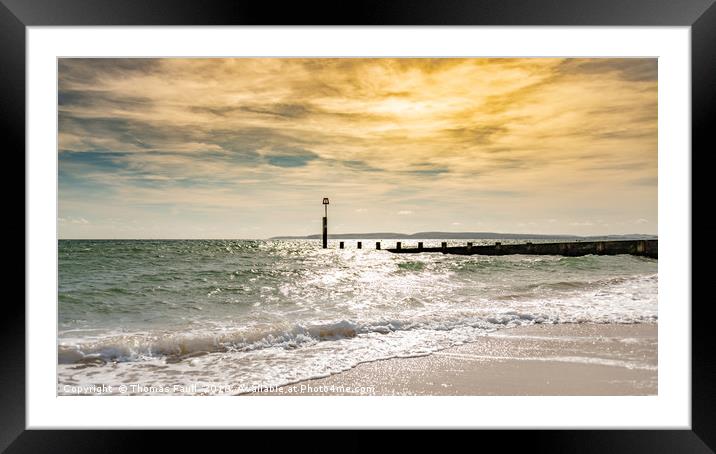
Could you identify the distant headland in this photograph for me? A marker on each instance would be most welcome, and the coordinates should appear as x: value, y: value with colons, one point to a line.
x: 464, y: 236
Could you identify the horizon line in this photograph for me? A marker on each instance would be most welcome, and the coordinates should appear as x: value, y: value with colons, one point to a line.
x: 278, y: 237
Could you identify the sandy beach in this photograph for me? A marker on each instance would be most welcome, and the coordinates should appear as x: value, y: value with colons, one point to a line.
x: 569, y: 359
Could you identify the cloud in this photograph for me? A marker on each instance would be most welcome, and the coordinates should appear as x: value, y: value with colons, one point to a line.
x: 281, y: 110
x: 290, y: 157
x: 476, y: 134
x: 475, y: 138
x: 404, y: 213
x: 646, y: 181
x: 629, y: 69
x: 427, y: 169
x: 360, y: 165
x: 81, y: 221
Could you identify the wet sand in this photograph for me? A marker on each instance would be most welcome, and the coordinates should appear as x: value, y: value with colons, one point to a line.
x: 542, y: 360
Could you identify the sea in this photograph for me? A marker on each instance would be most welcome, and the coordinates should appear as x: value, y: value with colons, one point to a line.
x: 227, y: 317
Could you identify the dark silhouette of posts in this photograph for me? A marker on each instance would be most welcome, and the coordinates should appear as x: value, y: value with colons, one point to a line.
x: 340, y: 245
x: 646, y: 248
x: 325, y: 223
x: 325, y: 232
x: 377, y: 245
x: 397, y: 245
x: 641, y: 247
x: 360, y: 245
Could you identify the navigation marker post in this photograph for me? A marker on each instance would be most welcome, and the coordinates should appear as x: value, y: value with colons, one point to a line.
x: 325, y: 223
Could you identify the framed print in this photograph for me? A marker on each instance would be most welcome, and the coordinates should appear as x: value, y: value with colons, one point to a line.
x: 236, y: 215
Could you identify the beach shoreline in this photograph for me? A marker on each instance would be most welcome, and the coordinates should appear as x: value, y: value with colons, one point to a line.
x: 546, y: 359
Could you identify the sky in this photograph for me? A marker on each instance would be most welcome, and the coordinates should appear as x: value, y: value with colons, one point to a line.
x: 248, y: 147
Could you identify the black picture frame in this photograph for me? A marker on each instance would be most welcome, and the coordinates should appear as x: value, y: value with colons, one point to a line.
x: 700, y: 15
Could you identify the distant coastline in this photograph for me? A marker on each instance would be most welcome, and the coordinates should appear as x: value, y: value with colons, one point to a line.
x: 404, y: 236
x: 465, y: 236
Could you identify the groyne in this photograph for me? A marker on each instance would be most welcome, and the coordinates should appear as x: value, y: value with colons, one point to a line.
x: 646, y: 248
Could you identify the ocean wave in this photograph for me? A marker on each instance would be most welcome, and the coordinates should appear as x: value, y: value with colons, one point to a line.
x: 182, y: 345
x: 411, y: 266
x: 138, y: 346
x: 584, y: 284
